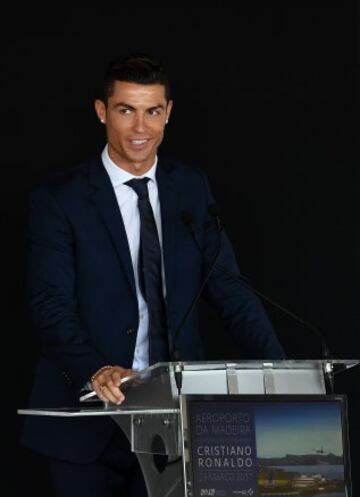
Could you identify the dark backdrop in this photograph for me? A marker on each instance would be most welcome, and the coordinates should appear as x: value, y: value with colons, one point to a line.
x: 266, y: 101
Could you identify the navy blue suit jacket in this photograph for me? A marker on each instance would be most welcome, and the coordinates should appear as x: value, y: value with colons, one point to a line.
x: 83, y: 300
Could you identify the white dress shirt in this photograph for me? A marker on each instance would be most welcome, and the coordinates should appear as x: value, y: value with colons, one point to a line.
x: 128, y: 203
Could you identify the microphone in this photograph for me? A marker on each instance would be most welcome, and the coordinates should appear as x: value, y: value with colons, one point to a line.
x: 189, y: 221
x: 214, y: 212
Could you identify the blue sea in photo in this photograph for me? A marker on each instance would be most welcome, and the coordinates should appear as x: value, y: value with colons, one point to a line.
x: 328, y: 470
x: 337, y: 494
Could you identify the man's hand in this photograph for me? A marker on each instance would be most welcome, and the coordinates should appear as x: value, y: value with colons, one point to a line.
x: 107, y: 384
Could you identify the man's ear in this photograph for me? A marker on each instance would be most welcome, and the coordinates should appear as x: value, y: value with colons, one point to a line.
x: 100, y: 109
x: 169, y: 107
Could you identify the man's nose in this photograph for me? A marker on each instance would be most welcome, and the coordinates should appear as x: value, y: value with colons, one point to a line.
x: 139, y: 123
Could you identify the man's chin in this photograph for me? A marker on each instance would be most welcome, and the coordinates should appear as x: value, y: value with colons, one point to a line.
x: 141, y: 161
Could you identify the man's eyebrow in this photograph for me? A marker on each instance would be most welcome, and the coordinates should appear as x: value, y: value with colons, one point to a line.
x: 123, y: 104
x: 128, y: 106
x: 158, y: 106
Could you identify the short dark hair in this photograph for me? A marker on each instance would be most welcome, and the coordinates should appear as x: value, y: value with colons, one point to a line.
x: 135, y: 68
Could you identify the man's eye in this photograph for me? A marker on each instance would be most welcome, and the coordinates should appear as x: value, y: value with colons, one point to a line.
x: 154, y: 112
x: 125, y: 111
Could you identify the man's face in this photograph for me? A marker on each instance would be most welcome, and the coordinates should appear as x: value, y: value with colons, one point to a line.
x: 135, y: 117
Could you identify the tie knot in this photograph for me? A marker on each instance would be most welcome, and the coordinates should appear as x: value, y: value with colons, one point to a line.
x: 139, y: 185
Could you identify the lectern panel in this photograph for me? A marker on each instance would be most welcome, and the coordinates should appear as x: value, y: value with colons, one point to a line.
x: 256, y: 446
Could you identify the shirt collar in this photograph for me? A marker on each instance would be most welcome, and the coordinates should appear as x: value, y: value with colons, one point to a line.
x: 118, y: 175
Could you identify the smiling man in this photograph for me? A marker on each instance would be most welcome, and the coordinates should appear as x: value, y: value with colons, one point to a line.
x: 118, y: 250
x: 135, y: 116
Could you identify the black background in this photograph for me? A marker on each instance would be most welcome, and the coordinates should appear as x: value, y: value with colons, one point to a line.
x: 266, y: 101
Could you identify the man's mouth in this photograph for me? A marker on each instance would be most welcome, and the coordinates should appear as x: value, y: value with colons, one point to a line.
x: 138, y: 142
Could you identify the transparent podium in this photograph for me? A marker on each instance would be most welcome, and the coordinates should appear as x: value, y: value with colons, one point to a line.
x: 203, y: 441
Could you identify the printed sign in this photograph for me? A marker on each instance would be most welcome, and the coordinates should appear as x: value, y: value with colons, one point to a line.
x: 223, y: 448
x: 261, y: 448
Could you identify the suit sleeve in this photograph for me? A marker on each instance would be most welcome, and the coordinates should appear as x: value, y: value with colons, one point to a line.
x: 243, y: 314
x: 51, y: 281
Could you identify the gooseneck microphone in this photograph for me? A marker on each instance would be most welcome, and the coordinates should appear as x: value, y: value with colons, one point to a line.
x: 188, y: 220
x: 215, y: 213
x: 326, y: 354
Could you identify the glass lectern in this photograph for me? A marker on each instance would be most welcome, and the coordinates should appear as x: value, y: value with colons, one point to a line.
x: 214, y: 438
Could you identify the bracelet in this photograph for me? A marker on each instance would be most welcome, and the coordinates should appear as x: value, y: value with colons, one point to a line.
x: 94, y: 376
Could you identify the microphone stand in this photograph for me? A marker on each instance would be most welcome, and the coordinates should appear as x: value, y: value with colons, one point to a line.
x: 174, y: 354
x: 328, y: 367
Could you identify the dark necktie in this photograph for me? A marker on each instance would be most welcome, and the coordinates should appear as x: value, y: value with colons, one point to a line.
x: 150, y: 273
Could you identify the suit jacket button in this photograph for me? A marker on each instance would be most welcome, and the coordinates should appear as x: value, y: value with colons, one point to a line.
x: 129, y: 331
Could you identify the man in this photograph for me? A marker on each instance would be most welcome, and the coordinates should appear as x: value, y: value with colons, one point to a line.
x: 118, y: 249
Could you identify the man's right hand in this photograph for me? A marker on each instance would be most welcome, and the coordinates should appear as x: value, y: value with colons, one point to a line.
x: 106, y: 383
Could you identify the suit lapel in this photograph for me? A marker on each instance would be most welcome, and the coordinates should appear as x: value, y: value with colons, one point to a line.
x: 104, y: 199
x: 168, y: 197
